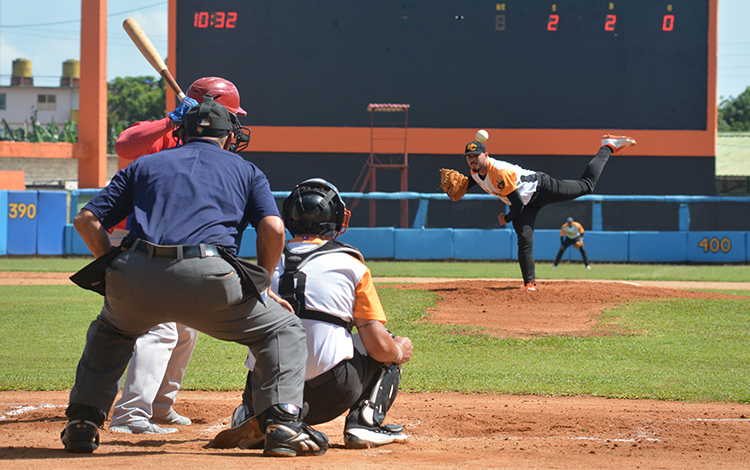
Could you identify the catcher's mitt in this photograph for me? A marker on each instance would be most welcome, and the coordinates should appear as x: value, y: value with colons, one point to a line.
x: 578, y: 244
x: 453, y: 183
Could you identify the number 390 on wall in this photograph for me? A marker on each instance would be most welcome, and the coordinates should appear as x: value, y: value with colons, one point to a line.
x: 20, y: 210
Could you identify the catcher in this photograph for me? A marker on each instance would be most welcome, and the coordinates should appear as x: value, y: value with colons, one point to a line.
x: 525, y: 191
x: 331, y: 290
x: 571, y: 233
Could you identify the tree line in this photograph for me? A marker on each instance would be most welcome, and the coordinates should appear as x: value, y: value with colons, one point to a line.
x: 734, y: 113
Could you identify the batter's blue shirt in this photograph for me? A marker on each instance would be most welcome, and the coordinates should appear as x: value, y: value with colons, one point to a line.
x: 196, y: 193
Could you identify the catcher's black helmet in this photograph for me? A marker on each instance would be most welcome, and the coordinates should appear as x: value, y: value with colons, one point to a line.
x: 315, y: 207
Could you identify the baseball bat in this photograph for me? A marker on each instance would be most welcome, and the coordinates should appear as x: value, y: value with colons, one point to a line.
x: 143, y: 43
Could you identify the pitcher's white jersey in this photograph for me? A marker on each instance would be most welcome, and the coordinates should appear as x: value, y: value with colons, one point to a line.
x: 503, y: 178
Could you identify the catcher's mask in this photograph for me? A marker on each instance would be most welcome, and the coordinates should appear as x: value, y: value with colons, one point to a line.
x: 211, y: 119
x: 315, y: 207
x: 241, y: 136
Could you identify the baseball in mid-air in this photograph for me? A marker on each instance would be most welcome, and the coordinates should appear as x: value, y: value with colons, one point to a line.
x: 482, y: 135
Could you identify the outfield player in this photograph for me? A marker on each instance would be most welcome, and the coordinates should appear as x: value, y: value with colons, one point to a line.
x: 191, y: 205
x: 162, y: 355
x: 526, y: 191
x: 571, y: 233
x: 332, y: 290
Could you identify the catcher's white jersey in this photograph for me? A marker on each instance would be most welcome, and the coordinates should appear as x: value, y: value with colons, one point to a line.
x: 503, y: 178
x: 337, y: 284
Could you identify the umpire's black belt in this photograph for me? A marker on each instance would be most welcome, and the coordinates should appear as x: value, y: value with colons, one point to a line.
x: 175, y: 251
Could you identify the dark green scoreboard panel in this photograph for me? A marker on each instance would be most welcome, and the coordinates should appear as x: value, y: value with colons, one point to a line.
x: 544, y: 77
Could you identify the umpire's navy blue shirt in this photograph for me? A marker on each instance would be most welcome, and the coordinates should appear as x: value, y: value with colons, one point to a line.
x: 196, y: 193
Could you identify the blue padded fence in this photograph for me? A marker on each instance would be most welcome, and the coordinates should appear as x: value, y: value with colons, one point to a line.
x: 39, y: 223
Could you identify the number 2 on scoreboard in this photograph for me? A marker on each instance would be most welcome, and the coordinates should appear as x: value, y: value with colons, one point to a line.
x: 552, y: 22
x: 609, y: 25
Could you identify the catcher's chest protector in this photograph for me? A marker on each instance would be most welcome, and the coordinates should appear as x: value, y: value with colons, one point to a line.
x: 292, y: 282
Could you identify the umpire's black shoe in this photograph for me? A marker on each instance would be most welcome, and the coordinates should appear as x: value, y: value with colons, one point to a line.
x: 294, y: 440
x: 80, y: 436
x: 288, y: 436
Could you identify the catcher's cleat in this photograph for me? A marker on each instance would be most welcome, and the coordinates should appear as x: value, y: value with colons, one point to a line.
x: 80, y: 437
x: 240, y: 415
x: 293, y: 439
x: 367, y: 437
x: 245, y: 435
x: 141, y: 426
x: 617, y: 142
x: 530, y: 286
x: 172, y: 418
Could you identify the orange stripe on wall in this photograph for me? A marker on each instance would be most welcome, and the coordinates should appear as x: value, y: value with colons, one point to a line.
x: 501, y: 141
x: 40, y: 150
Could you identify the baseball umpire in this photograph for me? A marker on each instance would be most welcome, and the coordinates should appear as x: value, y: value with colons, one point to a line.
x: 571, y: 233
x: 191, y: 205
x: 525, y: 191
x: 331, y: 290
x: 161, y: 355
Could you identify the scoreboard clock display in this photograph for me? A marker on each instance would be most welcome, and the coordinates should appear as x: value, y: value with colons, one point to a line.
x: 543, y: 76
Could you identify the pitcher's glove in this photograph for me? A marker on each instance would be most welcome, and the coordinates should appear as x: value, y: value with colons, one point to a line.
x: 453, y: 183
x: 577, y: 245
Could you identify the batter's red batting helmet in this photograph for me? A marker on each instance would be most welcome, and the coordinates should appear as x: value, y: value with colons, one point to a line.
x: 223, y: 91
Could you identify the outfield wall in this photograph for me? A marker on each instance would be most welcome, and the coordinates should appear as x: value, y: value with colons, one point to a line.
x: 40, y: 223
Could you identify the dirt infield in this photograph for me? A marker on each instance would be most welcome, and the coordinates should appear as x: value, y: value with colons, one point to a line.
x: 447, y: 430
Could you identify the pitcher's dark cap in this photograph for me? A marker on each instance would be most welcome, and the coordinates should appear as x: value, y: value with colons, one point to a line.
x: 474, y: 148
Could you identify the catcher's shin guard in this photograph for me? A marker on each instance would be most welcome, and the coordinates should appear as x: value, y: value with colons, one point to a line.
x: 372, y: 410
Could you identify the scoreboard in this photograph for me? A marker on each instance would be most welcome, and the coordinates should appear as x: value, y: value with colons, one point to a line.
x: 545, y: 77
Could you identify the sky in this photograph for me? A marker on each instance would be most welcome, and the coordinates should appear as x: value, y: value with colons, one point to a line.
x: 46, y: 32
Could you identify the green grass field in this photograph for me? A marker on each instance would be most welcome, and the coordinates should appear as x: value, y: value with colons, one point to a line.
x: 692, y: 350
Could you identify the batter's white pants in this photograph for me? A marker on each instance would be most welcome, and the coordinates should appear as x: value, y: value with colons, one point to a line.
x: 155, y: 373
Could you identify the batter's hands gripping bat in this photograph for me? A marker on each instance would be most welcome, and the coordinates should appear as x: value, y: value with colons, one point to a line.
x: 151, y: 54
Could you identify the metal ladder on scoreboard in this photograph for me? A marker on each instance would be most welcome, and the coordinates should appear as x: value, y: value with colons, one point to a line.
x: 387, y: 152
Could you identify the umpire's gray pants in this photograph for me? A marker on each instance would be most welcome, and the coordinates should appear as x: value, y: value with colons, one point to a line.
x: 205, y: 294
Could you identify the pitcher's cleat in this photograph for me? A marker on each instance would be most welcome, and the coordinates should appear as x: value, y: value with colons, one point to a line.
x: 617, y: 142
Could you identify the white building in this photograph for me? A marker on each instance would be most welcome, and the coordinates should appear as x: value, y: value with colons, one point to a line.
x: 22, y: 102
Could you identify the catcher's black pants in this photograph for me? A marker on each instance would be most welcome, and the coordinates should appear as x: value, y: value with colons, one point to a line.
x: 564, y: 246
x: 549, y: 191
x: 334, y: 392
